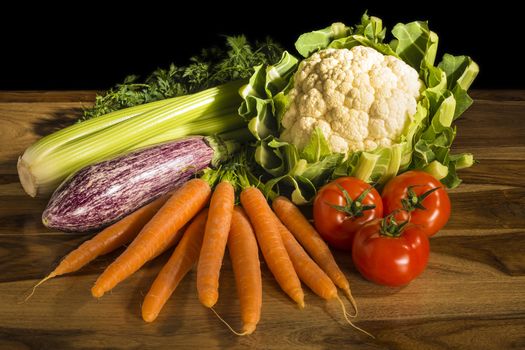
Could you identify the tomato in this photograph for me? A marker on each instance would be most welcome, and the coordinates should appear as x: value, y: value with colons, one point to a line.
x: 390, y: 258
x: 421, y: 194
x: 337, y: 218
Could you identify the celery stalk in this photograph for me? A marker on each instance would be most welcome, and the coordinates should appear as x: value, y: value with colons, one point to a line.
x: 75, y: 131
x: 203, y: 127
x: 49, y: 161
x: 367, y: 162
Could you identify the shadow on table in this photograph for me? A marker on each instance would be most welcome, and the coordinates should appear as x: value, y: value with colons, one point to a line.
x: 59, y: 120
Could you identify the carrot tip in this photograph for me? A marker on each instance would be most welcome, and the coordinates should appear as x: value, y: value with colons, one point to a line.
x: 51, y: 275
x: 210, y: 300
x: 209, y: 304
x: 150, y: 317
x: 350, y: 297
x: 345, y: 314
x: 230, y: 327
x: 97, y: 292
x: 248, y: 328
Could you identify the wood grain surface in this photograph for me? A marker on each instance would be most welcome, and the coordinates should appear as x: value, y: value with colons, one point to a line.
x: 472, y: 295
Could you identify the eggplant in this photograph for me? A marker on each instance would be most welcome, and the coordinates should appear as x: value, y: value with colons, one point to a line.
x: 102, y: 193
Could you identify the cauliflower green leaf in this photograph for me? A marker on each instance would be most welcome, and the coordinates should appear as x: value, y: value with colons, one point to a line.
x: 415, y: 43
x: 311, y: 42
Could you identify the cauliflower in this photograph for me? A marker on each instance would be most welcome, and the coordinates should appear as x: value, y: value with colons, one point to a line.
x: 359, y: 99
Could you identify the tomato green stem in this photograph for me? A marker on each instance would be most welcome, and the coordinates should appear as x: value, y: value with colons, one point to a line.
x: 412, y: 201
x: 390, y: 227
x: 353, y: 208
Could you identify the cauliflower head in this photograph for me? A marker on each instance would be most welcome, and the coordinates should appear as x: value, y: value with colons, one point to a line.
x: 359, y: 99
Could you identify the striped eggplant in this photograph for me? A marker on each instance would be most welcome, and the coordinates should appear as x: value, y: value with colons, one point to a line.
x: 102, y: 193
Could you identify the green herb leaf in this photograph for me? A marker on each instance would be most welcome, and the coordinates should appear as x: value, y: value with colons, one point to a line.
x: 212, y: 67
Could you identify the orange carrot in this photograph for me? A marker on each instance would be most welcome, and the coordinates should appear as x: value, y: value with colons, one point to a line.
x: 112, y: 237
x: 179, y: 264
x: 306, y: 234
x: 263, y: 220
x: 171, y: 243
x: 310, y: 273
x: 214, y: 243
x: 307, y: 270
x: 183, y: 205
x: 244, y: 255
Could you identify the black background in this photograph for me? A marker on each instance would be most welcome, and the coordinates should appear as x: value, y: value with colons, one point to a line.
x: 95, y: 45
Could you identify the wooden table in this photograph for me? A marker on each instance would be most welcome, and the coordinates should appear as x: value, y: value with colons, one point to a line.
x: 470, y: 297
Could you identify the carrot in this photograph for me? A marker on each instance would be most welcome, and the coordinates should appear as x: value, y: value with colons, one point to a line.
x: 182, y: 206
x: 263, y: 221
x: 310, y: 273
x: 214, y: 243
x: 179, y: 264
x: 171, y: 243
x: 244, y: 255
x: 306, y: 234
x: 112, y: 237
x: 307, y: 270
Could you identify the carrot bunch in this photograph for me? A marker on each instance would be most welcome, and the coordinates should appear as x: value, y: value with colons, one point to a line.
x: 203, y: 223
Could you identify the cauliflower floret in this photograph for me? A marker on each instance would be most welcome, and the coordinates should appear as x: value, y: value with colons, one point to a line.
x: 358, y: 98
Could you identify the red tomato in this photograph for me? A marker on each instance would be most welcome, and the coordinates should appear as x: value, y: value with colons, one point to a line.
x: 429, y: 211
x: 336, y: 218
x: 391, y: 259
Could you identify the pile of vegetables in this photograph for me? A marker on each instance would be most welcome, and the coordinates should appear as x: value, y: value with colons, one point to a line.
x: 199, y: 99
x: 203, y: 224
x: 163, y: 162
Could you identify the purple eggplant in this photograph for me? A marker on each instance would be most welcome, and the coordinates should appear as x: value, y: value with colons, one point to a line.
x: 102, y: 193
